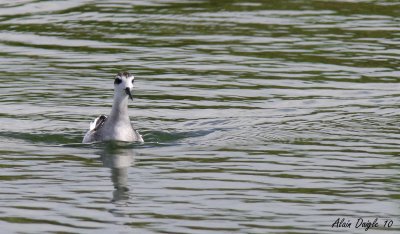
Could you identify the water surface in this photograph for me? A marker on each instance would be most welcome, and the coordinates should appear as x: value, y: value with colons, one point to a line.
x: 259, y: 117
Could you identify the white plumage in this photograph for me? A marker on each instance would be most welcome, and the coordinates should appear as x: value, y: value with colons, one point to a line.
x: 117, y: 125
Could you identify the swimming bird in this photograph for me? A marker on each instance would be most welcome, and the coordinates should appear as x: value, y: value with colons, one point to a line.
x: 117, y: 126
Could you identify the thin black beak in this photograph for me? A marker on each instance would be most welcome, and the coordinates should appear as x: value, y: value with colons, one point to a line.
x: 128, y: 91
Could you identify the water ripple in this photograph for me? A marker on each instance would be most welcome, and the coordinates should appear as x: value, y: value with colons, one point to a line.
x: 258, y: 117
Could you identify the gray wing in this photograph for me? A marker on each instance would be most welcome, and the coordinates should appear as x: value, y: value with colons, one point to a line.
x: 99, y: 122
x: 137, y: 136
x: 95, y: 125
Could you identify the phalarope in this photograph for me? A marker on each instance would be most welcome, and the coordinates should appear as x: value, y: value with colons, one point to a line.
x: 117, y: 126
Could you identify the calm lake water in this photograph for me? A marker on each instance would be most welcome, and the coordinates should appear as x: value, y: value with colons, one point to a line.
x: 259, y: 116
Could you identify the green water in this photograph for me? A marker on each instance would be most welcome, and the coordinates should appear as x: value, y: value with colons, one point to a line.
x: 258, y: 116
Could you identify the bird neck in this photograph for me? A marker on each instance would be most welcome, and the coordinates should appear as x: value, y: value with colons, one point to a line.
x: 119, y: 111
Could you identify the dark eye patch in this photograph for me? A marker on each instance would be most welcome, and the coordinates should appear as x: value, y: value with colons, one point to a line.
x: 133, y: 80
x: 117, y: 81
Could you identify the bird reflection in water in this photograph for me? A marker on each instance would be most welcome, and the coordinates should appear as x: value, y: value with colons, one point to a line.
x: 119, y: 158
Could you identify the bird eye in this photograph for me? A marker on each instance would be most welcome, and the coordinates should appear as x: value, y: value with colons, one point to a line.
x: 133, y: 80
x: 117, y: 81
